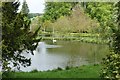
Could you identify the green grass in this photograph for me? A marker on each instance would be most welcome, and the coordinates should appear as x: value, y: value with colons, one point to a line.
x: 88, y: 71
x: 82, y: 37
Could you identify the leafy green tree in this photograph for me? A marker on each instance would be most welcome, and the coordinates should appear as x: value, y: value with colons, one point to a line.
x: 77, y: 22
x: 16, y: 36
x: 25, y: 9
x: 35, y: 23
x: 53, y: 10
x: 101, y: 12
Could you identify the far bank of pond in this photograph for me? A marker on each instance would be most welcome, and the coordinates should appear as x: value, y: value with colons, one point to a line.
x: 89, y: 71
x: 81, y: 37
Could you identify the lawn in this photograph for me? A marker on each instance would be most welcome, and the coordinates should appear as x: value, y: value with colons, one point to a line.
x: 89, y: 71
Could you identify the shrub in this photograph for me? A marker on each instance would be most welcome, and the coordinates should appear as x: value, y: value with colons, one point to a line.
x: 59, y: 68
x: 35, y: 70
x: 67, y: 68
x: 111, y: 66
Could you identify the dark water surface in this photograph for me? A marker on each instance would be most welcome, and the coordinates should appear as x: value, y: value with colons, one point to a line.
x: 50, y: 56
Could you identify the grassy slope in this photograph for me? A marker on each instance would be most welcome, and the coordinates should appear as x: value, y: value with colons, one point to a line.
x: 80, y: 72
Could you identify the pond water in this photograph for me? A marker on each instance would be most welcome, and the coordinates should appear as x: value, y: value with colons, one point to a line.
x: 48, y: 56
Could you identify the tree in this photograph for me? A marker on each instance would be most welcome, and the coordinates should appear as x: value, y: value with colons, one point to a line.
x: 77, y: 22
x: 35, y: 23
x: 16, y: 36
x: 54, y: 10
x: 102, y: 12
x: 25, y: 9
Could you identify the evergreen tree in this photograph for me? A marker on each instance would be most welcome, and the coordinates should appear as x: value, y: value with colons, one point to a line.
x: 16, y: 36
x: 25, y: 9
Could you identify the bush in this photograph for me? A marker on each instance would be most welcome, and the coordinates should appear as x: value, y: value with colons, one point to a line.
x: 67, y: 68
x: 35, y: 70
x: 59, y: 68
x: 111, y: 66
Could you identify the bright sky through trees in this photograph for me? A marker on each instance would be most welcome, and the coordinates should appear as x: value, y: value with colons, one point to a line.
x: 35, y: 6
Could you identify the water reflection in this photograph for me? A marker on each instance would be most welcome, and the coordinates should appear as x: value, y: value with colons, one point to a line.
x: 65, y: 53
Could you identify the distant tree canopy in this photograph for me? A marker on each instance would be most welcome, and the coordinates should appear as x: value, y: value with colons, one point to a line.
x: 35, y: 23
x: 103, y: 13
x: 68, y: 19
x: 53, y: 10
x: 25, y: 9
x: 77, y: 22
x: 32, y: 15
x: 16, y: 36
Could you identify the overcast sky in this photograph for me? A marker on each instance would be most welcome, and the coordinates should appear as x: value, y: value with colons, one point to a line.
x: 35, y: 6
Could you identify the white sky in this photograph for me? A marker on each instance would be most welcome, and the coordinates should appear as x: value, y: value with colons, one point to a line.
x: 35, y: 6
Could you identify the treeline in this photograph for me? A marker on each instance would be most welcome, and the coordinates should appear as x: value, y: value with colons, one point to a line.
x: 78, y: 17
x: 32, y: 15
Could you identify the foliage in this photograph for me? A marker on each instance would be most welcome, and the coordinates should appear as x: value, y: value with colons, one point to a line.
x: 54, y: 10
x: 33, y: 71
x: 116, y: 34
x: 35, y: 23
x: 102, y: 12
x: 46, y: 26
x: 32, y: 15
x: 111, y: 67
x: 77, y: 22
x: 59, y: 68
x: 0, y: 34
x: 112, y: 62
x: 16, y: 36
x: 25, y: 9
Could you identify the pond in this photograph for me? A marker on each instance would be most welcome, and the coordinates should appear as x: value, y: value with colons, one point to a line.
x: 48, y: 56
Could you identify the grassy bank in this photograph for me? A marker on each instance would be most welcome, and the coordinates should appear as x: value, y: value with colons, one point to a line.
x: 89, y: 71
x: 82, y: 37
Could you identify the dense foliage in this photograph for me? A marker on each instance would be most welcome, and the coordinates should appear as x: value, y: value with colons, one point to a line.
x: 0, y: 35
x: 16, y: 36
x: 76, y: 22
x: 35, y: 23
x: 111, y: 63
x: 102, y: 12
x: 116, y: 35
x: 32, y: 15
x: 111, y: 67
x: 53, y: 10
